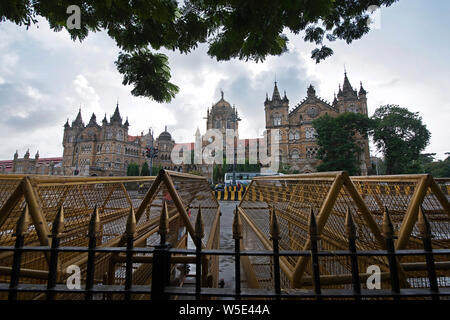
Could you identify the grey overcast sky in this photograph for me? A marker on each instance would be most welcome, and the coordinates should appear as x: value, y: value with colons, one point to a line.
x: 45, y: 78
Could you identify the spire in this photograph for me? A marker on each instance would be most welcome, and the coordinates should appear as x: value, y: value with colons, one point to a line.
x: 347, y: 86
x: 311, y: 91
x: 335, y: 99
x: 361, y: 89
x: 221, y: 93
x: 78, y: 120
x: 276, y: 94
x: 127, y: 124
x: 116, y: 116
x: 16, y: 155
x: 27, y: 154
x: 66, y: 125
x: 104, y: 119
x: 93, y: 120
x: 36, y: 156
x: 285, y: 98
x: 340, y: 91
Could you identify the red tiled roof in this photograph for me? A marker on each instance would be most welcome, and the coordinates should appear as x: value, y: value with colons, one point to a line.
x: 133, y: 138
x: 189, y: 145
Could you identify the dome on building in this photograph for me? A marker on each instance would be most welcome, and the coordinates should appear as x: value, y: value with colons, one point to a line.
x: 165, y: 135
x: 222, y: 103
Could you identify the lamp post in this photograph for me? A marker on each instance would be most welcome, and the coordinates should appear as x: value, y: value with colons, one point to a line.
x: 151, y: 153
x: 234, y: 119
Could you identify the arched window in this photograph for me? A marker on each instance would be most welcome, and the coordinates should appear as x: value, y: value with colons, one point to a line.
x: 297, y: 135
x: 310, y: 133
x: 277, y: 119
x: 352, y: 108
x: 291, y: 136
x: 120, y: 135
x: 295, y: 154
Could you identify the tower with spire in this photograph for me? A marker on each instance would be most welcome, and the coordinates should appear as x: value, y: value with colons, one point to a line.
x: 101, y: 149
x: 298, y: 139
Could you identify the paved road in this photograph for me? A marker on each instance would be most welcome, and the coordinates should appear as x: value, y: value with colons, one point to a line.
x: 226, y: 263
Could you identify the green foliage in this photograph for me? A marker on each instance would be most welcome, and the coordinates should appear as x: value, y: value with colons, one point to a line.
x: 155, y: 170
x: 145, y: 171
x: 133, y: 169
x: 149, y: 73
x: 244, y: 29
x: 438, y: 169
x: 196, y: 172
x: 284, y: 168
x: 401, y: 136
x: 336, y: 137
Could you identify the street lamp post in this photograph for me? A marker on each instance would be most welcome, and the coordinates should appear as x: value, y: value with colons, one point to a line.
x: 234, y: 119
x: 151, y: 153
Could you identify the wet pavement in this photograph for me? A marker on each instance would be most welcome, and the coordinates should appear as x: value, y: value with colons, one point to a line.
x: 226, y: 263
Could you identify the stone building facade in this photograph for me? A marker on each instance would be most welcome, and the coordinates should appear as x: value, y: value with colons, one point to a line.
x: 108, y: 149
x: 297, y: 138
x: 101, y: 150
x: 32, y: 165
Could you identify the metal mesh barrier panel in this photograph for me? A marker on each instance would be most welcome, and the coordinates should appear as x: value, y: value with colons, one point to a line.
x: 330, y: 195
x: 113, y: 197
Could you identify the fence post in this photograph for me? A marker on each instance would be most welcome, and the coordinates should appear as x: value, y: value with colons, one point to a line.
x: 352, y: 236
x: 130, y: 233
x: 21, y: 231
x: 314, y: 237
x: 275, y: 237
x: 199, y: 233
x: 57, y: 229
x: 237, y: 236
x: 93, y: 231
x: 388, y: 233
x: 161, y: 258
x: 425, y: 233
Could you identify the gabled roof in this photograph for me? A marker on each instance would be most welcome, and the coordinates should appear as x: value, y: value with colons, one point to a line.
x: 311, y: 99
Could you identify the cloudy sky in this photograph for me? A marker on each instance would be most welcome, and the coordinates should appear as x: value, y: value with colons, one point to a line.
x: 45, y: 78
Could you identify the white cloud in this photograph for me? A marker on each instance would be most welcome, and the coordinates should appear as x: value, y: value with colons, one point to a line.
x: 45, y: 77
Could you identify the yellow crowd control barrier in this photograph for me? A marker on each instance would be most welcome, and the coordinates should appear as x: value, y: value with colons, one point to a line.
x: 113, y: 197
x: 330, y: 195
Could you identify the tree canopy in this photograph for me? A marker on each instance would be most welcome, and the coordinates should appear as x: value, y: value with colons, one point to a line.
x: 133, y: 169
x: 337, y: 140
x: 401, y: 136
x: 243, y: 29
x: 145, y: 171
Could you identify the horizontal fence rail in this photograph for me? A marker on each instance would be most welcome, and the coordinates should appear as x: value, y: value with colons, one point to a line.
x: 163, y: 256
x: 316, y: 236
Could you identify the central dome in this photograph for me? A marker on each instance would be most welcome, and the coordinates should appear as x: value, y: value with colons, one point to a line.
x: 165, y: 135
x: 222, y: 104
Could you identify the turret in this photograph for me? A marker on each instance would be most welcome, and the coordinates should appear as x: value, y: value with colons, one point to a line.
x: 27, y: 154
x: 78, y: 122
x: 36, y: 156
x: 276, y: 94
x: 362, y: 92
x: 16, y: 155
x: 311, y: 91
x: 116, y: 116
x: 93, y: 121
x: 285, y: 98
x: 105, y: 121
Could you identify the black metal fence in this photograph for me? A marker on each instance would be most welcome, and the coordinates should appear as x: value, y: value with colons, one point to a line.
x: 161, y: 288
